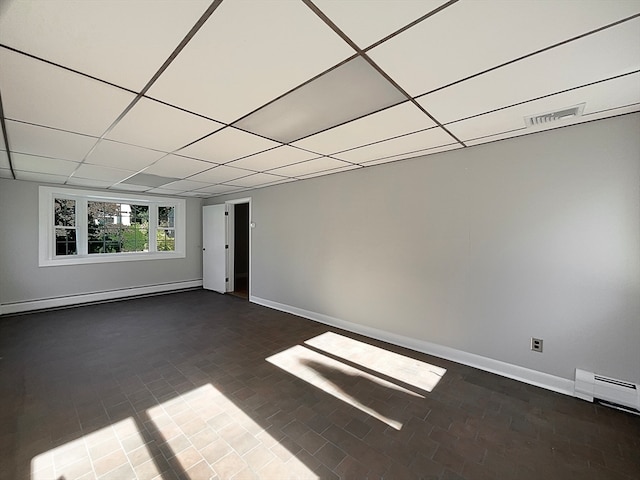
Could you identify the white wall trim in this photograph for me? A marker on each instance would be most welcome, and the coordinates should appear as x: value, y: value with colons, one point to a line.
x: 29, y: 305
x: 515, y: 372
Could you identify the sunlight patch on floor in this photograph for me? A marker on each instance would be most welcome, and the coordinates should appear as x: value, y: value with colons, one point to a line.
x: 413, y: 372
x: 181, y: 420
x: 95, y: 454
x: 336, y: 378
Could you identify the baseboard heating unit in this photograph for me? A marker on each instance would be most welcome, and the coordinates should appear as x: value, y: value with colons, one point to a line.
x: 608, y: 391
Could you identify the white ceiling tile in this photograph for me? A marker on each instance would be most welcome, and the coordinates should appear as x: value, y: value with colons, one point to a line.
x: 221, y: 174
x: 122, y: 42
x: 36, y: 92
x: 218, y: 189
x: 40, y: 177
x: 2, y: 144
x: 5, y: 173
x: 177, y: 166
x: 89, y: 182
x: 98, y: 172
x: 32, y: 163
x: 257, y: 179
x: 329, y: 172
x: 246, y: 55
x: 577, y: 63
x: 184, y: 185
x: 126, y: 187
x: 601, y: 96
x: 469, y: 37
x: 227, y: 145
x: 277, y: 157
x: 35, y: 140
x: 419, y: 153
x: 4, y: 159
x: 434, y: 137
x: 349, y: 91
x: 120, y: 155
x: 154, y: 125
x: 195, y: 194
x: 310, y: 166
x: 162, y: 191
x: 394, y: 121
x: 367, y: 22
x: 565, y: 123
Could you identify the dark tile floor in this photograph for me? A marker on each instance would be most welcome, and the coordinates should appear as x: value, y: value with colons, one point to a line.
x: 177, y: 386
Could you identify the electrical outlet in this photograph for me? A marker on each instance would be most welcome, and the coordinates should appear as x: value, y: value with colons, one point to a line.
x: 536, y: 344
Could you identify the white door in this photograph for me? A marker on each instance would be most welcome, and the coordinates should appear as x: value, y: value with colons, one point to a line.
x: 214, y: 248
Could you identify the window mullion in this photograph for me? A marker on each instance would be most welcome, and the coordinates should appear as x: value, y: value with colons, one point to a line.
x: 82, y: 234
x: 153, y: 227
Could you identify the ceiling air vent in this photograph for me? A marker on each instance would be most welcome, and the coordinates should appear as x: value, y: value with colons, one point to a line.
x: 556, y: 116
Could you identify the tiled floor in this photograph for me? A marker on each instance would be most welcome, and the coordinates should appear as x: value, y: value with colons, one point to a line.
x: 197, y: 385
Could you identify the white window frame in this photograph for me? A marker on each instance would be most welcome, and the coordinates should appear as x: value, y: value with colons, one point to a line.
x: 46, y: 244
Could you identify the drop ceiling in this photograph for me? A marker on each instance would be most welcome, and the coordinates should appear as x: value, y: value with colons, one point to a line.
x: 205, y: 98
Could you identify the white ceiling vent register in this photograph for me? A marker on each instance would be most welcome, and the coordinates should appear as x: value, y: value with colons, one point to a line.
x: 611, y: 391
x: 555, y: 116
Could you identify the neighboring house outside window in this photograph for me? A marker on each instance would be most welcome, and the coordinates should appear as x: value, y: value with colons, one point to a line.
x: 80, y: 226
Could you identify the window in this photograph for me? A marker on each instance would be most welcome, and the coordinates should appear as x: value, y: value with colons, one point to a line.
x: 117, y: 227
x: 80, y: 226
x: 64, y: 212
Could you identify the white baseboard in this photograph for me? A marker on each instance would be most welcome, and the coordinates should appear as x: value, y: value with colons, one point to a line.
x: 522, y: 374
x: 55, y: 302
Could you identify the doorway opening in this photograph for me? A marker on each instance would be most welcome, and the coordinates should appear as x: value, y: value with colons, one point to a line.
x: 240, y: 253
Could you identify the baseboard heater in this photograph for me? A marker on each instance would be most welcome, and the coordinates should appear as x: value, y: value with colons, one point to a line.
x: 608, y: 391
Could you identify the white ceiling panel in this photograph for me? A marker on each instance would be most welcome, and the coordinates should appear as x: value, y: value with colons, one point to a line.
x: 195, y: 193
x: 184, y: 185
x: 32, y: 163
x: 40, y: 177
x: 394, y: 121
x: 419, y: 153
x: 218, y: 189
x: 469, y: 37
x: 246, y: 55
x: 4, y: 159
x: 227, y: 145
x: 221, y: 174
x: 434, y: 137
x: 122, y: 42
x: 349, y: 91
x: 57, y: 98
x: 126, y: 187
x: 177, y: 166
x: 257, y: 179
x: 310, y: 166
x: 162, y: 191
x: 98, y: 172
x: 367, y: 22
x: 565, y: 123
x: 89, y: 182
x: 602, y: 96
x: 120, y: 155
x: 154, y: 125
x: 277, y: 157
x: 575, y: 64
x: 35, y: 140
x: 329, y: 172
x: 5, y: 172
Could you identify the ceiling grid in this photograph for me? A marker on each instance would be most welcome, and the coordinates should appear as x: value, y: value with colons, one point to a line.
x: 209, y: 98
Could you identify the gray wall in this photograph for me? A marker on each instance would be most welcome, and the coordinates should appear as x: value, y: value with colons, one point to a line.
x: 476, y: 249
x: 22, y: 280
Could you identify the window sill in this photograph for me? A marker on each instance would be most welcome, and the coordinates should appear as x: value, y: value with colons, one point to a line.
x: 108, y: 258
